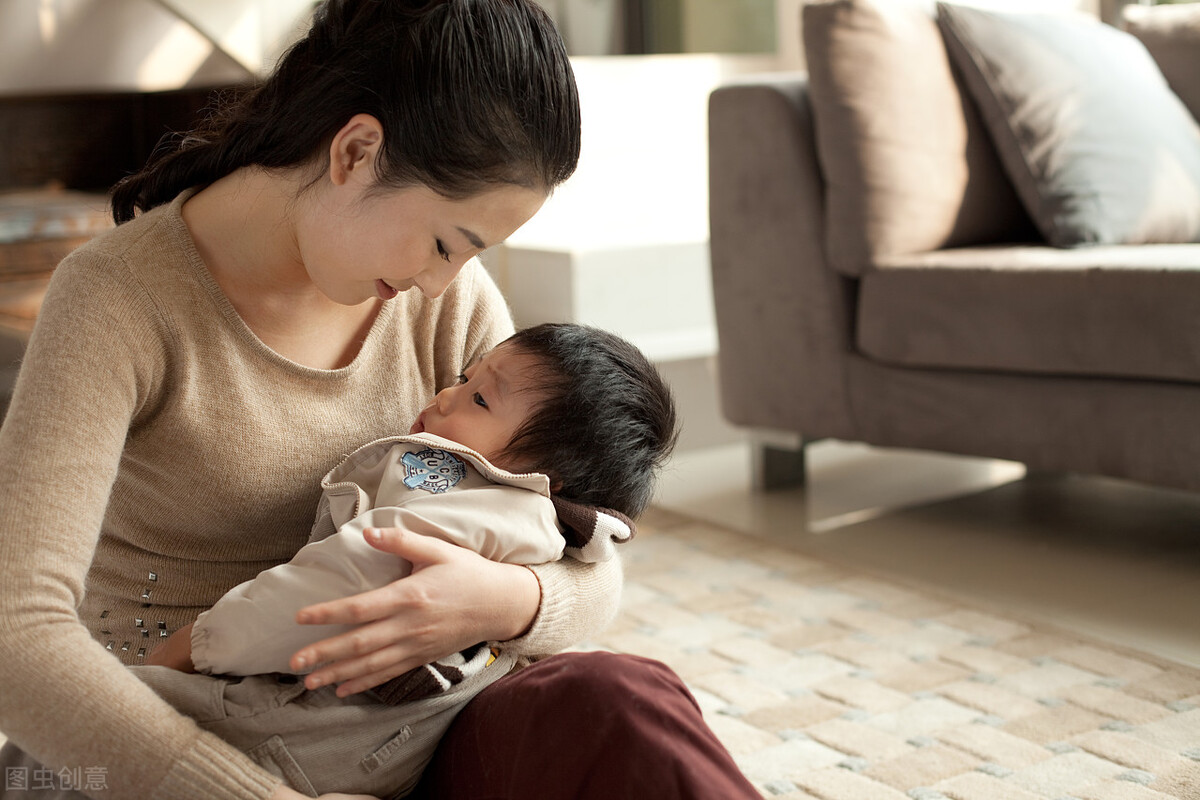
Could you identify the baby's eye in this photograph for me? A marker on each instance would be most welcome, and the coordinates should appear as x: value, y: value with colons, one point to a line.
x: 441, y: 248
x: 462, y: 378
x: 479, y: 401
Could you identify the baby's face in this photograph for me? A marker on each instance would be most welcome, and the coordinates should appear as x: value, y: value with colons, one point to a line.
x: 483, y: 410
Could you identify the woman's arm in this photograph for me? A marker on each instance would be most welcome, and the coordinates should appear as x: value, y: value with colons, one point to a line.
x: 91, y: 364
x: 452, y: 600
x: 252, y: 629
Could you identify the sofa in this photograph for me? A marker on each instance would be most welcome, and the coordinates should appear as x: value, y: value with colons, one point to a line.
x: 967, y: 231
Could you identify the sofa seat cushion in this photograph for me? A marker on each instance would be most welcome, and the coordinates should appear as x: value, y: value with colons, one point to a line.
x: 1109, y: 311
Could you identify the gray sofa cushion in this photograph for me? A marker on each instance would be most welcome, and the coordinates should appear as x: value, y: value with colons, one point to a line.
x: 1172, y: 35
x: 1117, y: 312
x: 906, y: 158
x: 1100, y: 149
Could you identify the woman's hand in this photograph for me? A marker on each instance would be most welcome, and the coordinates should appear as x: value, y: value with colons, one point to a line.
x: 175, y: 652
x: 453, y: 599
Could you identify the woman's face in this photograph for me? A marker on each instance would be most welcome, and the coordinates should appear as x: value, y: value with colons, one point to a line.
x: 357, y: 244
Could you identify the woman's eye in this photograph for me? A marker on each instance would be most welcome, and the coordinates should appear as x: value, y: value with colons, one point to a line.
x: 441, y: 248
x: 479, y: 401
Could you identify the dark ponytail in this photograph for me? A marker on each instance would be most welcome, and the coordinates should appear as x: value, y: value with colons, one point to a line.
x: 470, y: 93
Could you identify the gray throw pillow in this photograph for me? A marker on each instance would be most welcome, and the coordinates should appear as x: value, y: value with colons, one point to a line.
x: 1101, y: 151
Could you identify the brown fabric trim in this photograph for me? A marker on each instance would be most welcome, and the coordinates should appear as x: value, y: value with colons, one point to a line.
x: 581, y: 520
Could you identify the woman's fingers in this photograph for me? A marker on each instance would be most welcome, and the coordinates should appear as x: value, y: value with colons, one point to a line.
x: 398, y: 633
x: 420, y: 551
x: 354, y: 610
x: 417, y: 549
x: 453, y: 598
x: 373, y: 678
x: 390, y: 656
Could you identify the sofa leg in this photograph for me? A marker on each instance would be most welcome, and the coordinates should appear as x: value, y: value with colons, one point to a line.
x: 779, y: 464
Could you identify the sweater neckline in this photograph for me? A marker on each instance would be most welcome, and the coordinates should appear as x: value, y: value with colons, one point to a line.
x: 238, y: 325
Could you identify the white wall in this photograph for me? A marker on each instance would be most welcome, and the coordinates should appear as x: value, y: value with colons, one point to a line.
x: 643, y: 170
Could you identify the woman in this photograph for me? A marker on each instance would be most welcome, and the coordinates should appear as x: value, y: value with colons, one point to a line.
x: 289, y: 293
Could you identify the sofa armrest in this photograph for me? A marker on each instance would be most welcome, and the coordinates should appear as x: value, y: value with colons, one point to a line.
x: 784, y: 316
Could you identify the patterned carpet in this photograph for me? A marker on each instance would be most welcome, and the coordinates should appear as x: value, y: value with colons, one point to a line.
x: 828, y: 684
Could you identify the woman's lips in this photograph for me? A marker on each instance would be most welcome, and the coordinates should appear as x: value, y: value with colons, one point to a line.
x: 385, y: 291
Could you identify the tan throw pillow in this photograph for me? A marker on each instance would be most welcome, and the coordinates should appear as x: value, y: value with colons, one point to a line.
x: 1100, y: 149
x: 1172, y: 35
x: 907, y: 161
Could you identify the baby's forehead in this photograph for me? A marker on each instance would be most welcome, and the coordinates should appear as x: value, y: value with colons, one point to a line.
x: 508, y: 355
x: 511, y: 364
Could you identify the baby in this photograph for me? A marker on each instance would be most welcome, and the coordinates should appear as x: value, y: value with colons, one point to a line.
x: 559, y: 423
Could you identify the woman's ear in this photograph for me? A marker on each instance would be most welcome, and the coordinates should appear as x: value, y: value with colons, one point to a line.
x: 354, y: 148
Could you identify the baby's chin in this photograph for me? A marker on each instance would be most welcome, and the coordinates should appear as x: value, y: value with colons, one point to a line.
x: 417, y: 427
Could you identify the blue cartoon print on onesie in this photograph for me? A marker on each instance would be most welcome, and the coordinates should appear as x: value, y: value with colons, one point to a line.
x: 432, y: 470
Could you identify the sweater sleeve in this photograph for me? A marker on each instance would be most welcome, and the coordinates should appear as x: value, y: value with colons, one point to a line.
x: 252, y: 629
x: 96, y: 360
x: 579, y: 600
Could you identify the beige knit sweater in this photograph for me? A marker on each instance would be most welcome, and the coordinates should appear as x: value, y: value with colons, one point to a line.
x: 156, y: 454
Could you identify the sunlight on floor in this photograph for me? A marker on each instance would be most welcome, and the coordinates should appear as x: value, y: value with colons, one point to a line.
x: 1107, y: 558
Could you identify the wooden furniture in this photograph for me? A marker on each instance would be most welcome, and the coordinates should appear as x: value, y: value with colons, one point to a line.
x: 59, y: 155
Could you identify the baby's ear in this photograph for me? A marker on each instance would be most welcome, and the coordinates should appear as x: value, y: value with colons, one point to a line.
x: 555, y: 485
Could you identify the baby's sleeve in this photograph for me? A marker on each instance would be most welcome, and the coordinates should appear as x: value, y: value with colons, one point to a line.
x: 252, y: 629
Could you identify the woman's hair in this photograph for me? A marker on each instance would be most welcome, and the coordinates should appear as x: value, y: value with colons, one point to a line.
x: 605, y: 419
x: 470, y: 94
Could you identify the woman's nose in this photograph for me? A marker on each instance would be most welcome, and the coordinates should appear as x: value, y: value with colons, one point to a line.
x: 433, y: 281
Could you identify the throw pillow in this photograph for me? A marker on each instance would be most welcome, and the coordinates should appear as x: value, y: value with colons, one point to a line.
x: 1100, y: 149
x: 906, y: 159
x: 1172, y: 35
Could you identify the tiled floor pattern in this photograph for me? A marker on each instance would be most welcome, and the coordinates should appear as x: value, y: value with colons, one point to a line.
x: 825, y: 682
x: 1116, y: 561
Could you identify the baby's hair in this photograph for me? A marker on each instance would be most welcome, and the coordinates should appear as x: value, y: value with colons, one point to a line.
x: 605, y: 420
x: 470, y: 94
